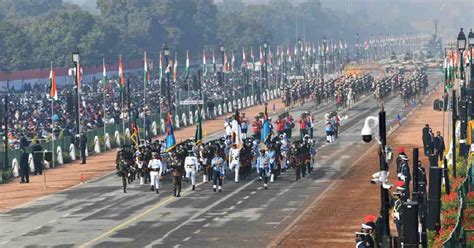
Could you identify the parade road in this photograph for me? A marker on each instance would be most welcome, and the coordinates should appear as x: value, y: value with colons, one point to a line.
x: 98, y: 214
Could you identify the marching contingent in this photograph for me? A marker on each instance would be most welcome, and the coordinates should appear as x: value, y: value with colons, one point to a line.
x: 272, y: 150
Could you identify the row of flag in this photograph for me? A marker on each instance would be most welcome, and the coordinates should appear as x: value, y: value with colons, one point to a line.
x: 452, y: 64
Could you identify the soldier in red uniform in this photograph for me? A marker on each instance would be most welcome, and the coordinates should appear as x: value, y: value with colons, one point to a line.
x: 257, y: 127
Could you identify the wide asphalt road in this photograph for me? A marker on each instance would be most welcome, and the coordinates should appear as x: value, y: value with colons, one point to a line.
x: 98, y: 214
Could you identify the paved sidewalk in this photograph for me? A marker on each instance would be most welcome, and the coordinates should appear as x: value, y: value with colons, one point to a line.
x: 332, y: 220
x: 14, y: 194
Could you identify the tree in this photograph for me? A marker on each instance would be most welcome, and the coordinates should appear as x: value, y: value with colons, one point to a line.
x: 15, y: 48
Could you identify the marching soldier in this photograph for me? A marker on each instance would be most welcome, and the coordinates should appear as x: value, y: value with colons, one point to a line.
x: 156, y: 170
x: 263, y: 167
x: 122, y: 168
x: 272, y: 156
x: 190, y: 166
x: 234, y: 161
x: 177, y: 172
x: 218, y: 170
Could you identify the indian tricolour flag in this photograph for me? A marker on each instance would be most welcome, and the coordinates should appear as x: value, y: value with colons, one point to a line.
x: 121, y: 76
x: 104, y: 76
x: 204, y: 62
x: 53, y: 92
x: 175, y: 67
x: 146, y: 74
x: 187, y: 64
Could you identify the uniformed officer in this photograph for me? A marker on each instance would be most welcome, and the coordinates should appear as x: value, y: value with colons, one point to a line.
x: 404, y: 174
x: 234, y: 161
x: 218, y: 170
x: 190, y: 166
x: 272, y: 162
x: 263, y: 167
x: 122, y: 168
x: 156, y: 170
x: 177, y: 172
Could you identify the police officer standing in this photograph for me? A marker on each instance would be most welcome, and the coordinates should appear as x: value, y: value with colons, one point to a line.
x: 37, y: 158
x: 24, y: 168
x: 83, y: 146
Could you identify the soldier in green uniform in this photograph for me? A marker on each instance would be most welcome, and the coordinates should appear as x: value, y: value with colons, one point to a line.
x: 122, y: 169
x: 177, y: 169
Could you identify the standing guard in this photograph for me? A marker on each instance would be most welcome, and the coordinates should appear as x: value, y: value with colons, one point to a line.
x: 177, y: 172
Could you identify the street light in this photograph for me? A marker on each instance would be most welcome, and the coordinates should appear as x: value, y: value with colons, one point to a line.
x: 265, y: 46
x: 461, y: 42
x: 75, y: 60
x: 166, y: 52
x: 324, y: 53
x: 471, y: 47
x: 221, y: 83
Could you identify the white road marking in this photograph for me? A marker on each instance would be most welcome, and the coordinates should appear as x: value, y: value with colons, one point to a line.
x: 232, y: 207
x: 177, y: 246
x: 197, y: 231
x: 239, y: 202
x: 202, y: 211
x: 246, y: 197
x: 186, y: 239
x: 253, y: 192
x: 66, y: 215
x: 52, y: 221
x: 206, y: 225
x: 259, y: 188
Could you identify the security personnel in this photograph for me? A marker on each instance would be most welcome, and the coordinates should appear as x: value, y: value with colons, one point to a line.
x: 218, y: 170
x: 234, y: 161
x: 404, y: 175
x: 401, y: 156
x: 177, y: 172
x: 263, y: 167
x: 190, y: 166
x: 83, y: 147
x: 24, y: 167
x: 122, y: 169
x: 37, y: 158
x: 156, y: 170
x: 272, y: 162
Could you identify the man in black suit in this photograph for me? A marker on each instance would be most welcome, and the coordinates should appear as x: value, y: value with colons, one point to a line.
x: 37, y: 158
x: 24, y: 167
x: 426, y: 139
x: 439, y: 145
x: 83, y: 146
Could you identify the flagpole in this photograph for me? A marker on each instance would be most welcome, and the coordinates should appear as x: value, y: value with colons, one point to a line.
x: 144, y: 98
x: 52, y: 130
x: 105, y: 92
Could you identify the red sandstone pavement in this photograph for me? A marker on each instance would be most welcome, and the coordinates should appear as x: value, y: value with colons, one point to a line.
x: 13, y: 194
x: 332, y: 219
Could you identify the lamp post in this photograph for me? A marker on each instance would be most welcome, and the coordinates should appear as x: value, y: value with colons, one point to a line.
x: 461, y: 46
x: 5, y: 130
x: 471, y: 80
x: 222, y: 49
x: 75, y: 60
x: 324, y: 53
x: 166, y: 53
x: 358, y: 46
x: 265, y: 46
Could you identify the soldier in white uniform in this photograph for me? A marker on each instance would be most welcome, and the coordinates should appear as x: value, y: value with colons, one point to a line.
x: 156, y: 169
x: 190, y: 166
x: 234, y: 161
